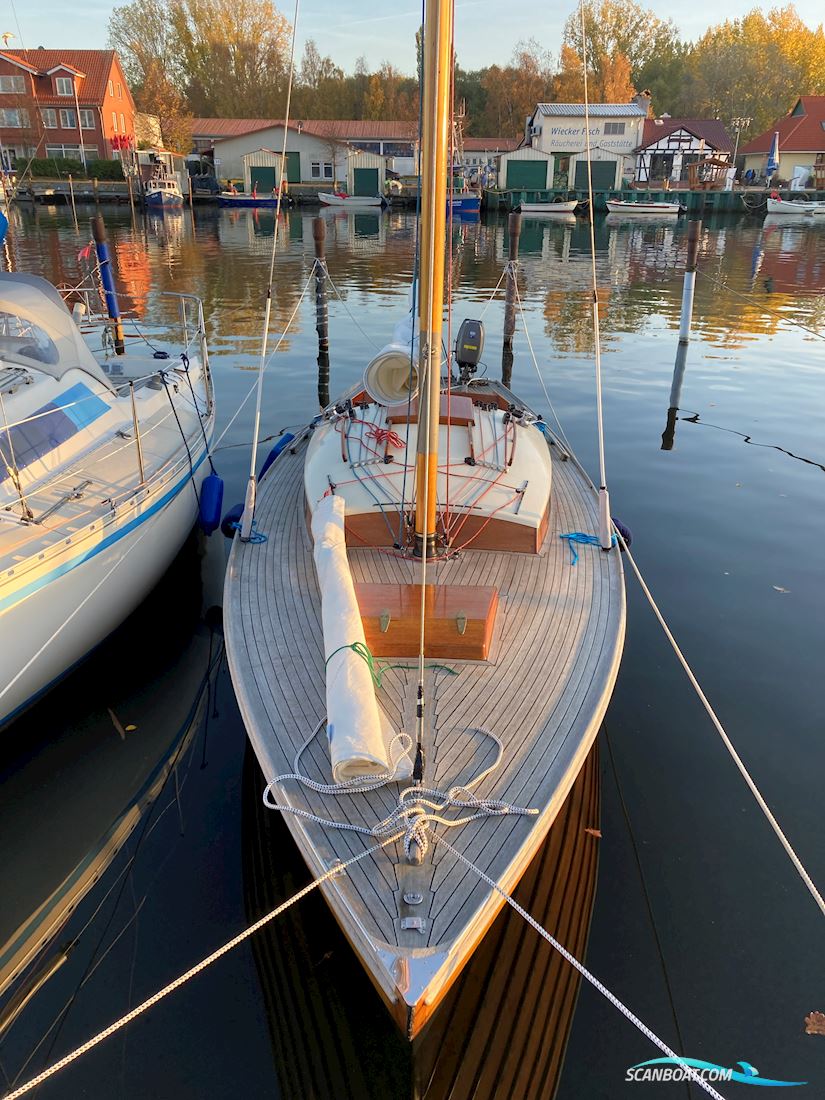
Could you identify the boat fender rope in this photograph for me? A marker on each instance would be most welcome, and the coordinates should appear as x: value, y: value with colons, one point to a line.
x: 580, y: 537
x: 256, y: 537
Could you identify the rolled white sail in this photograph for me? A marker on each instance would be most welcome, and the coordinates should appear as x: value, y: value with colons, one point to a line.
x: 359, y: 732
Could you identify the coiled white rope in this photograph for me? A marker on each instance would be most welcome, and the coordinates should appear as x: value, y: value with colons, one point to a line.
x: 585, y: 973
x: 73, y: 1055
x: 418, y: 808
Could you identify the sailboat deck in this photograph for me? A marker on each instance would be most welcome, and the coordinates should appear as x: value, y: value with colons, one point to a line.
x: 553, y: 661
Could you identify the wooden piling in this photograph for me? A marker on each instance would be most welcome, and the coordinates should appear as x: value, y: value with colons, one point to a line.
x: 319, y: 230
x: 74, y: 208
x: 94, y: 188
x: 514, y: 229
x: 131, y: 196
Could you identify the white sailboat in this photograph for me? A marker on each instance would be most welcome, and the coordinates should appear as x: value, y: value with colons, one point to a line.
x: 422, y: 519
x: 94, y: 462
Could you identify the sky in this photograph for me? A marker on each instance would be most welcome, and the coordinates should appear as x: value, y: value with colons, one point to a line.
x: 346, y: 29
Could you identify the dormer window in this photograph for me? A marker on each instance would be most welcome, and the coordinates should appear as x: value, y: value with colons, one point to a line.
x: 64, y: 85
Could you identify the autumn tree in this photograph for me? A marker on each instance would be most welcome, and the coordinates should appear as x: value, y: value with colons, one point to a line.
x: 512, y: 92
x: 754, y: 67
x: 614, y: 28
x: 158, y: 96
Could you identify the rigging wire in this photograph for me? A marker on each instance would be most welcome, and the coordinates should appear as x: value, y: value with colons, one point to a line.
x: 248, y: 516
x: 605, y: 531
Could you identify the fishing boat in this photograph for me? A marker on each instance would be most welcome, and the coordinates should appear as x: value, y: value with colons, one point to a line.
x: 163, y: 191
x: 340, y: 199
x: 548, y: 209
x: 103, y: 463
x: 619, y: 206
x: 464, y: 202
x: 796, y: 207
x: 421, y: 668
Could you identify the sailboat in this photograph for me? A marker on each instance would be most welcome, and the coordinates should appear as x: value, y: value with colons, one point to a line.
x: 421, y: 668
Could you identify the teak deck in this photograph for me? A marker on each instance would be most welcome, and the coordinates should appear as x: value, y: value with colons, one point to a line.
x: 553, y: 660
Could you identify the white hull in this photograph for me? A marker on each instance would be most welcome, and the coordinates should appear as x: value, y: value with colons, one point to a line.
x: 617, y: 206
x: 548, y: 209
x: 798, y: 209
x: 113, y: 581
x: 101, y: 471
x: 350, y: 200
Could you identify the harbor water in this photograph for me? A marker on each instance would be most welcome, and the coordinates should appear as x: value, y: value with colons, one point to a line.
x: 133, y: 841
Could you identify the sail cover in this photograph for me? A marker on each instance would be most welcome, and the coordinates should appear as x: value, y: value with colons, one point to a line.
x: 358, y: 730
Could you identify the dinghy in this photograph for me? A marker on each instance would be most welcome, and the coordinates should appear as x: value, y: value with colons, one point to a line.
x: 548, y: 209
x: 421, y: 667
x: 619, y: 206
x: 354, y: 201
x: 796, y: 207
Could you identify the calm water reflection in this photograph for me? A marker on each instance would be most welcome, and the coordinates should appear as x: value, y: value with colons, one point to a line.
x: 699, y: 924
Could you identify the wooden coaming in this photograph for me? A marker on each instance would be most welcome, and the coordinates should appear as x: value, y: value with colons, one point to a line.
x: 553, y: 661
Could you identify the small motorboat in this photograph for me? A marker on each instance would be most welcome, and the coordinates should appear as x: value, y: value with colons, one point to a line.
x: 339, y: 199
x: 163, y: 191
x: 548, y: 209
x: 619, y: 206
x: 240, y: 200
x: 798, y: 207
x: 97, y: 455
x: 464, y: 203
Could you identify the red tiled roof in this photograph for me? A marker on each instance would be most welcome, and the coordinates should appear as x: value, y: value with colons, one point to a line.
x: 490, y: 144
x: 95, y: 65
x: 710, y: 129
x: 339, y: 129
x: 803, y: 133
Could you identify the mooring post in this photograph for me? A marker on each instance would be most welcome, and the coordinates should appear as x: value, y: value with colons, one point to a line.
x: 669, y: 433
x: 319, y: 232
x: 74, y: 208
x: 131, y: 196
x: 694, y: 231
x: 514, y: 229
x: 107, y: 280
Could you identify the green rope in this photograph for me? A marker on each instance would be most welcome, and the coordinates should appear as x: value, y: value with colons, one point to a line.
x: 377, y: 669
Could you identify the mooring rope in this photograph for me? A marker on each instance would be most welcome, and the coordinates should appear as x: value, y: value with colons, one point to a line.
x: 720, y: 729
x: 193, y: 971
x: 585, y: 973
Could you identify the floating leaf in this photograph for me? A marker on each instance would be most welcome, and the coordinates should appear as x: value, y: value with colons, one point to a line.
x: 130, y: 728
x: 779, y: 588
x: 815, y: 1023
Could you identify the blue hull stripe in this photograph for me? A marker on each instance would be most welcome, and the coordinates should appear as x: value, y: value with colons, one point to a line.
x: 34, y: 586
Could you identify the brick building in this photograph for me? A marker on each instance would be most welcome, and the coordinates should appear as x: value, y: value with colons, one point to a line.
x: 64, y: 103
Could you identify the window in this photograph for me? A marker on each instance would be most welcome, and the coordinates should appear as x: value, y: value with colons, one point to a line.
x: 111, y: 88
x: 318, y: 168
x: 68, y: 119
x: 114, y: 121
x: 122, y: 122
x: 120, y: 91
x: 72, y: 151
x: 49, y: 116
x: 87, y: 119
x: 327, y: 171
x: 64, y: 85
x: 13, y: 84
x: 613, y: 128
x: 14, y: 117
x: 315, y: 170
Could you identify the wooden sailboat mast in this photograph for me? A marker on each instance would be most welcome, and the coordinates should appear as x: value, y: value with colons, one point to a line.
x: 437, y: 68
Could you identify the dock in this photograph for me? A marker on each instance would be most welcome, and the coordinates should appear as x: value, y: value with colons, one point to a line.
x: 721, y: 202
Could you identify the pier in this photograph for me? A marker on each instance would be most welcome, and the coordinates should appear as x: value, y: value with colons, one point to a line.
x: 722, y: 202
